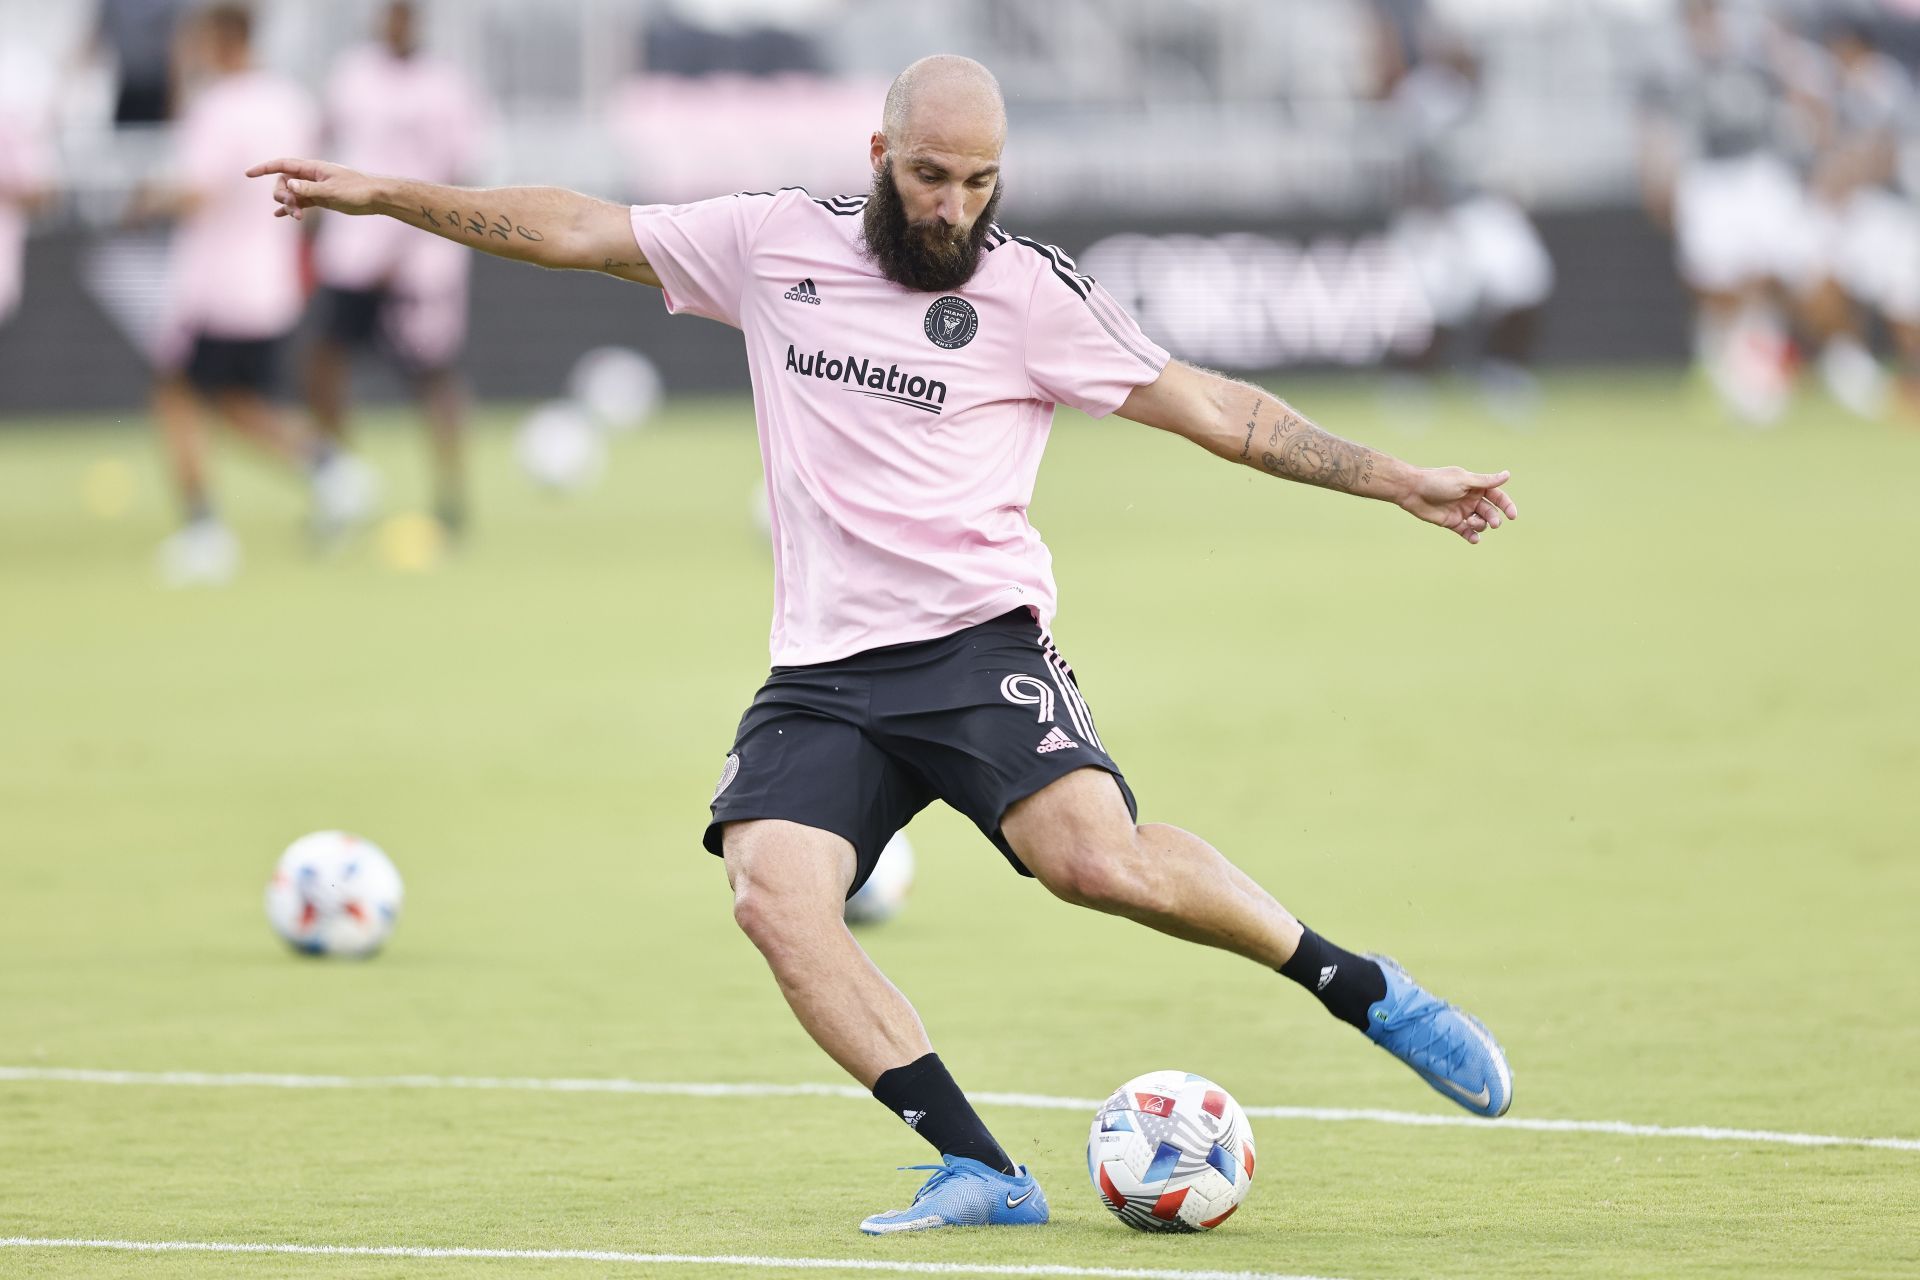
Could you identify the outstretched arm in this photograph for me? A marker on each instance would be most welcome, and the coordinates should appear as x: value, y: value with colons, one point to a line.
x: 1244, y: 424
x: 547, y: 226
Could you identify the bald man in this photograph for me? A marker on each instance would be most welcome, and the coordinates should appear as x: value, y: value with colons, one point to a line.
x: 907, y: 355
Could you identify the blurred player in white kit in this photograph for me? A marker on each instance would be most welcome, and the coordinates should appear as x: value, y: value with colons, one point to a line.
x: 392, y: 109
x: 234, y: 296
x: 1720, y: 129
x: 26, y: 178
x: 1863, y: 239
x: 1480, y: 262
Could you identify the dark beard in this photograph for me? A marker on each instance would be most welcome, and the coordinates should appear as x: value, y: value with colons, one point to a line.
x: 923, y: 256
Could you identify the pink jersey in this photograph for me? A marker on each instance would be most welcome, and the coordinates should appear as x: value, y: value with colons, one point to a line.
x: 901, y: 432
x: 236, y: 268
x: 414, y: 116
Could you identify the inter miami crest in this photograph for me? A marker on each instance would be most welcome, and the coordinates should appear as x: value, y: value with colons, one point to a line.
x: 951, y: 322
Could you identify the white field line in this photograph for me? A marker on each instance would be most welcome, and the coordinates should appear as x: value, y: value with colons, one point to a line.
x: 1030, y: 1101
x: 642, y: 1259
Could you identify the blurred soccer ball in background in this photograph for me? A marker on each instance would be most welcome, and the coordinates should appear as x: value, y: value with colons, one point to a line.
x: 617, y: 386
x: 1170, y: 1151
x: 334, y: 894
x: 560, y: 446
x: 885, y: 891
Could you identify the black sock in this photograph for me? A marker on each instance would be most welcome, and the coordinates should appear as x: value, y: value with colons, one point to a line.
x: 925, y: 1096
x: 1344, y: 982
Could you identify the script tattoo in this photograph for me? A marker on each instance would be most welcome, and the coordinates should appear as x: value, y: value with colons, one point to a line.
x: 1311, y: 456
x: 1287, y: 421
x: 1246, y: 450
x: 614, y: 264
x: 497, y: 226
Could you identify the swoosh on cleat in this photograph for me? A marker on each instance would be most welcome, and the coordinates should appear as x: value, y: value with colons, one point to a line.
x: 1024, y: 1197
x: 1479, y: 1099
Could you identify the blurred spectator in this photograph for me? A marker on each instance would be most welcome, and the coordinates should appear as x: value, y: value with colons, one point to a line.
x: 1863, y: 250
x: 1481, y: 264
x: 138, y: 35
x: 391, y: 108
x: 685, y: 137
x: 1720, y: 131
x: 675, y: 46
x: 234, y: 292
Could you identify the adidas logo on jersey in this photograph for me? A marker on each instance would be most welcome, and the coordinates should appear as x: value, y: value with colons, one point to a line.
x: 803, y: 292
x: 1055, y: 741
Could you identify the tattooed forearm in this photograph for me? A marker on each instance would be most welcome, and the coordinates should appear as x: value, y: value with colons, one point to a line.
x: 1298, y: 450
x: 1253, y: 419
x: 1311, y: 456
x: 476, y: 224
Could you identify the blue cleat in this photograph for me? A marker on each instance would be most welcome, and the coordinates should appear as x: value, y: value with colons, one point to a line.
x: 966, y: 1193
x: 1450, y: 1049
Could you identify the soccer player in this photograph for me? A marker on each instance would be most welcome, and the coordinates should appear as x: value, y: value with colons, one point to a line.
x: 1478, y: 257
x: 26, y: 183
x: 906, y: 356
x: 392, y: 109
x: 1864, y: 250
x: 1718, y: 121
x: 234, y: 295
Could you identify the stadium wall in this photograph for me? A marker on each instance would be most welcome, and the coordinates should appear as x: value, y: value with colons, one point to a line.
x: 1327, y: 294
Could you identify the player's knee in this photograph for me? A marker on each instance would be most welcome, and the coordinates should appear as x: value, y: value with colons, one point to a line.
x: 759, y: 910
x: 1107, y: 874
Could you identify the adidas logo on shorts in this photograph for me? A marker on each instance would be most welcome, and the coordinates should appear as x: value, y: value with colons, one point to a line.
x: 1055, y: 741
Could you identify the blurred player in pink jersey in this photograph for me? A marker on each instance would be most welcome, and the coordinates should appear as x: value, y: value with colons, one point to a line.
x: 234, y: 296
x: 392, y: 109
x: 906, y: 355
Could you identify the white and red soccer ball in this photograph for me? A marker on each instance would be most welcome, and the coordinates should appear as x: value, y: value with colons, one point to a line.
x: 334, y: 894
x: 1171, y: 1151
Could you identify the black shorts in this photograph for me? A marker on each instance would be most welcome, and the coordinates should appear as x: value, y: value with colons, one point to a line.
x: 234, y: 364
x: 351, y: 317
x: 981, y: 719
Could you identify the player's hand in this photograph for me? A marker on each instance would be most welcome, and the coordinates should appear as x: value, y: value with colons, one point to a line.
x: 316, y: 184
x: 1467, y: 502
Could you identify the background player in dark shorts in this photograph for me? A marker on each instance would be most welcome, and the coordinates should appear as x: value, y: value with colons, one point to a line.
x: 384, y: 287
x: 234, y: 296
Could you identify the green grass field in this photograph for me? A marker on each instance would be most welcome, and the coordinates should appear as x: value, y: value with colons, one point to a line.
x: 1634, y: 780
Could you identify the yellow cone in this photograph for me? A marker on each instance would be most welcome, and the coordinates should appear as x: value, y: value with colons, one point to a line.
x: 411, y: 542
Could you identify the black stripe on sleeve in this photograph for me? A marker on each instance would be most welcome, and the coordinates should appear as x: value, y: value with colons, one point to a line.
x: 1097, y: 300
x: 1061, y: 264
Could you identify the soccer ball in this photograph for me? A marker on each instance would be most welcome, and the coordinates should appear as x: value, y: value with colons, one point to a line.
x: 885, y: 891
x: 334, y: 894
x: 560, y: 447
x: 617, y: 385
x: 1171, y: 1151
